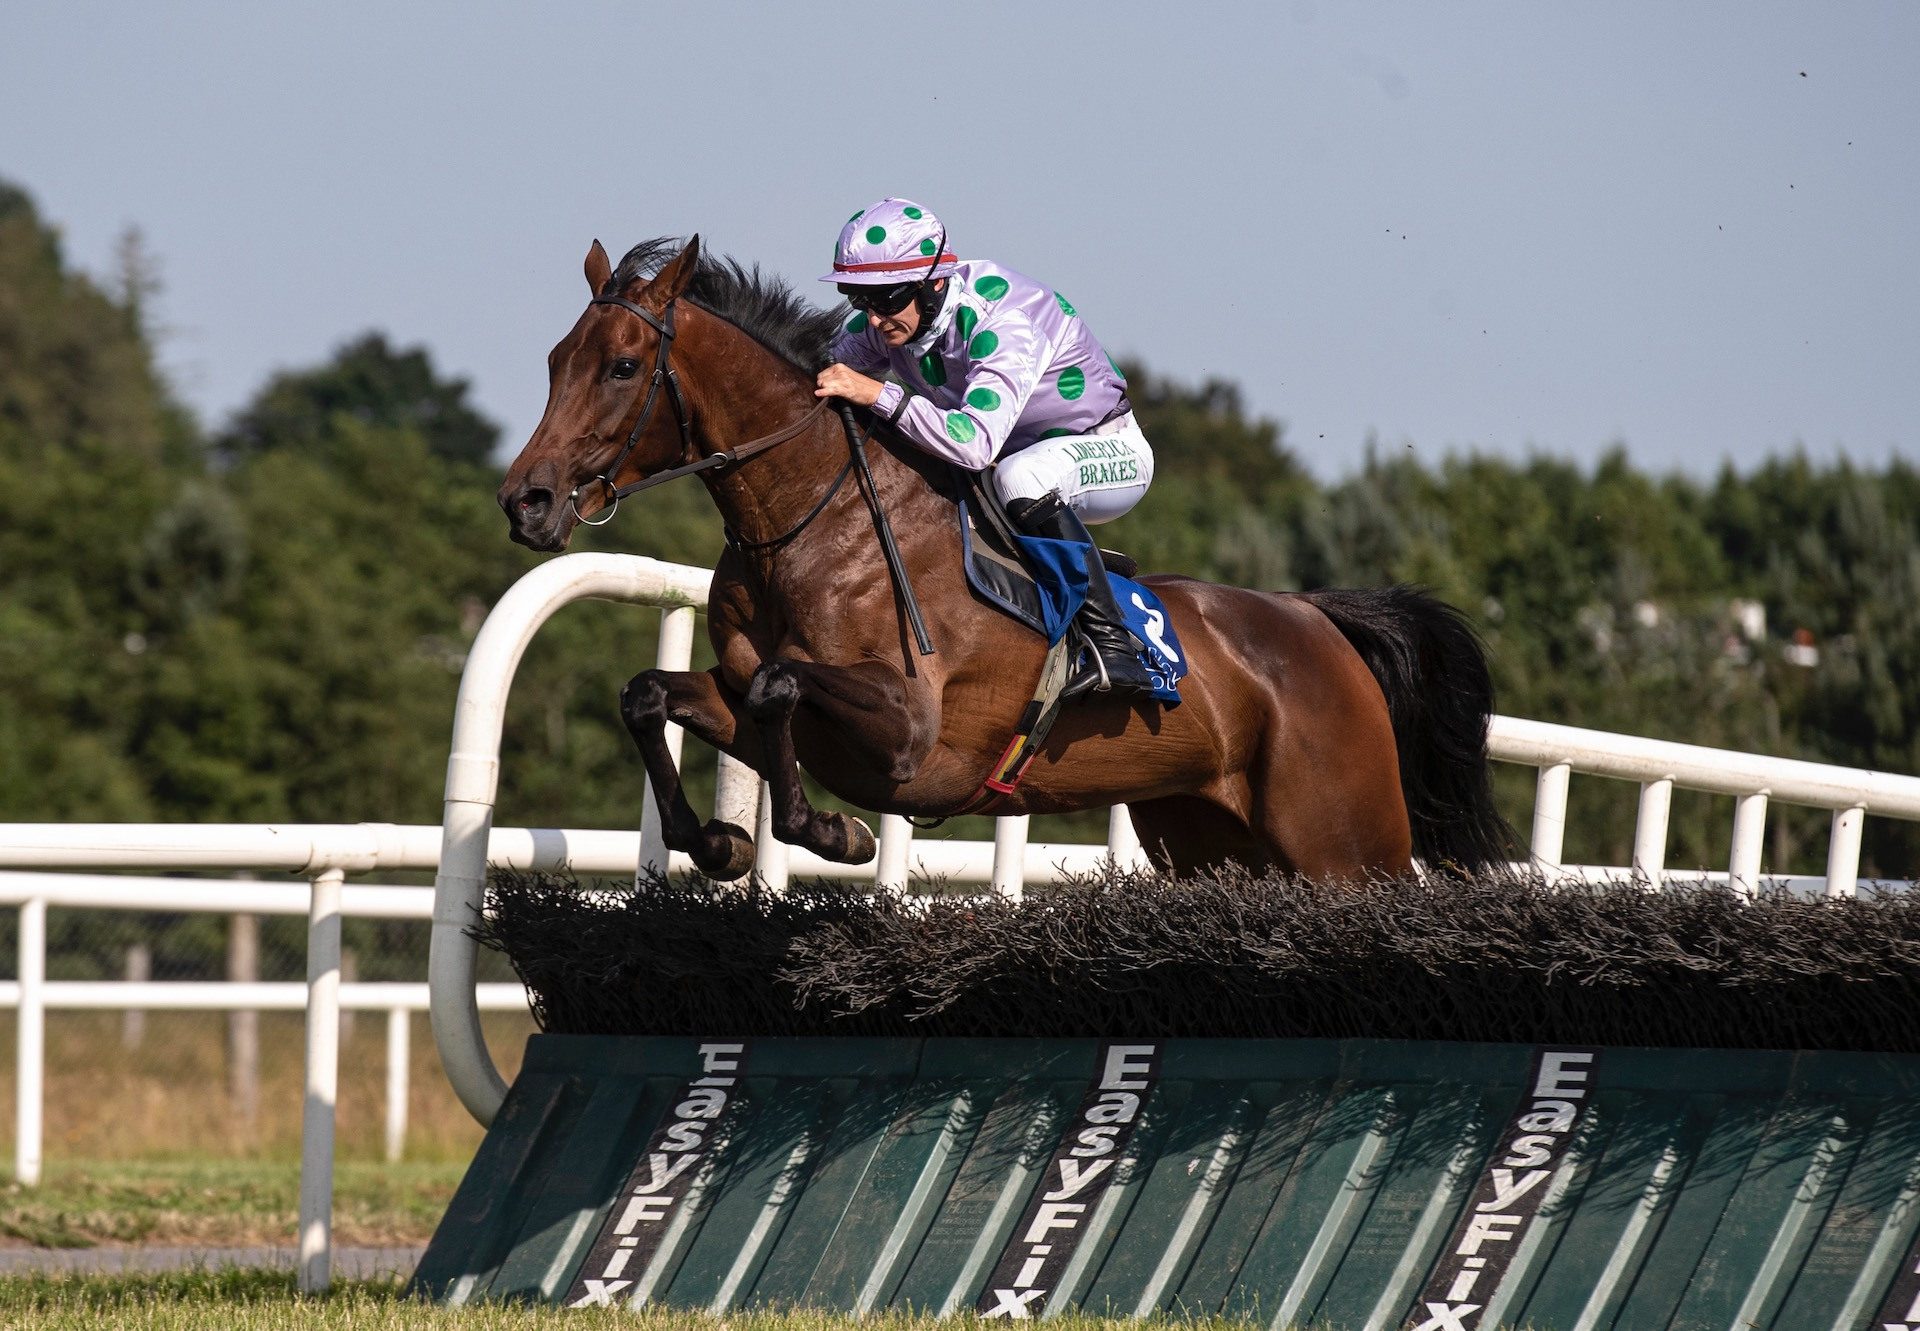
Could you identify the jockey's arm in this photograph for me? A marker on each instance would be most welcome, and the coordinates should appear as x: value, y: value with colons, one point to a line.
x: 1004, y: 366
x: 860, y: 350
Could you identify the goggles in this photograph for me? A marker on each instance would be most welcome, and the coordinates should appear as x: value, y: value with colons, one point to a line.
x: 888, y: 300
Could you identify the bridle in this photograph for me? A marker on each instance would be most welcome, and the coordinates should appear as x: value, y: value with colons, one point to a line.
x: 664, y: 377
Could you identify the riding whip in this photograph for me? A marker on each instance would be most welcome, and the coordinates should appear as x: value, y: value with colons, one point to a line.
x: 884, y: 529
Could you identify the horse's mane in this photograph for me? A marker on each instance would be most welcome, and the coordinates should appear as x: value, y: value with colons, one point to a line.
x: 760, y: 305
x: 774, y: 315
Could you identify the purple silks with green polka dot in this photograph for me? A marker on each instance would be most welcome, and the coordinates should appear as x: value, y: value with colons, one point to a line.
x: 1006, y: 363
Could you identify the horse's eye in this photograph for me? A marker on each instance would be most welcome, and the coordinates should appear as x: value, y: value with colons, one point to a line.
x: 624, y: 368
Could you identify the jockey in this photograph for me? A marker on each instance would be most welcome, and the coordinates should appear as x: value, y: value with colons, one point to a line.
x: 992, y: 369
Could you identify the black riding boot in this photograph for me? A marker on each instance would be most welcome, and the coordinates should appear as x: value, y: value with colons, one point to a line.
x: 1113, y: 666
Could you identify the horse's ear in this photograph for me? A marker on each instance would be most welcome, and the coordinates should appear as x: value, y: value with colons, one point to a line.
x: 672, y: 281
x: 599, y: 270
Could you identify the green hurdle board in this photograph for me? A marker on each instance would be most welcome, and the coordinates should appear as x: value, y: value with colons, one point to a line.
x: 1340, y: 1184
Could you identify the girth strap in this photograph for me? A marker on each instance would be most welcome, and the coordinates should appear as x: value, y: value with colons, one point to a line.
x: 1029, y: 735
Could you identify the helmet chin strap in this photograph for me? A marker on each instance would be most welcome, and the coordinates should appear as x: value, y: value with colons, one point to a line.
x: 926, y: 299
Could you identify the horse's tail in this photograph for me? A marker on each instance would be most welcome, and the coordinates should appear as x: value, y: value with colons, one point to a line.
x: 1433, y: 670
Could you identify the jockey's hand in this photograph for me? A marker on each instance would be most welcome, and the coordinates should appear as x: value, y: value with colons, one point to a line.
x: 840, y: 381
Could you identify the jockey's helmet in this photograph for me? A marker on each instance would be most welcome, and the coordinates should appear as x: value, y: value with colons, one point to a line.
x: 889, y: 242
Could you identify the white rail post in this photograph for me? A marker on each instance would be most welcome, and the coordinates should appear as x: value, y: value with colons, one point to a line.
x: 243, y: 1025
x: 1123, y: 843
x: 30, y: 1050
x: 1550, y: 813
x: 769, y: 851
x: 1749, y: 832
x: 399, y: 1058
x: 133, y: 1022
x: 1843, y: 852
x: 676, y: 653
x: 1010, y: 856
x: 1650, y: 831
x: 896, y: 844
x: 323, y: 1083
x: 349, y: 974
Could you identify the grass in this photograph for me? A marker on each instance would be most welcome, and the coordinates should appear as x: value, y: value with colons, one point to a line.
x: 265, y: 1301
x: 143, y: 1145
x: 167, y: 1098
x: 221, y: 1203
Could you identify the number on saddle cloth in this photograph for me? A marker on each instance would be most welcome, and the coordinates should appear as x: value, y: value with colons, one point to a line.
x: 1148, y: 621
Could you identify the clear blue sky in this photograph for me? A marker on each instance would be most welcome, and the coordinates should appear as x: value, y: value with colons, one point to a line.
x: 1692, y: 228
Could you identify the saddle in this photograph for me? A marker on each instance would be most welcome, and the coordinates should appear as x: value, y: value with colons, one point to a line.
x: 995, y: 569
x: 998, y: 574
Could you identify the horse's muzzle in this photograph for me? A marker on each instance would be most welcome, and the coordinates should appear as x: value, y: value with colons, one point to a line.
x: 534, y: 519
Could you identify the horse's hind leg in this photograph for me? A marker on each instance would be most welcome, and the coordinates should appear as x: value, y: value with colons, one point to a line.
x: 1326, y: 790
x: 773, y: 696
x: 703, y: 705
x: 1189, y: 834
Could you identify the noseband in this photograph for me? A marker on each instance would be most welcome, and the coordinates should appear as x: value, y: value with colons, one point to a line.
x: 663, y: 376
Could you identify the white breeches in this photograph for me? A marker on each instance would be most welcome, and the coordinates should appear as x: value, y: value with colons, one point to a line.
x: 1100, y: 475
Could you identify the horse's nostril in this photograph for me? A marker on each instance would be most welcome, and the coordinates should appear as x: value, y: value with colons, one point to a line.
x: 534, y: 502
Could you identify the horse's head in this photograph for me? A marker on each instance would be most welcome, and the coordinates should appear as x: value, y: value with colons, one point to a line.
x: 599, y: 379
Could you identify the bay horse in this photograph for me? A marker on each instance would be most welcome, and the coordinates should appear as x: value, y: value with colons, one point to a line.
x: 1333, y: 734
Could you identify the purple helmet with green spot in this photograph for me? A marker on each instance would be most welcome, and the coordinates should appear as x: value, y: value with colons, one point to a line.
x: 892, y: 241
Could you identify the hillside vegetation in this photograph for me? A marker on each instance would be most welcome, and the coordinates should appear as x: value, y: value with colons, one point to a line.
x: 266, y: 618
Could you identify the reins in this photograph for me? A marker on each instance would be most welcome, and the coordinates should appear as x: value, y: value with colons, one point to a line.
x: 735, y: 540
x: 664, y: 376
x: 896, y: 568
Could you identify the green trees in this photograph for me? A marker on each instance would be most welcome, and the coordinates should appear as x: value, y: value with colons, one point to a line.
x: 366, y: 383
x: 270, y: 624
x: 1834, y: 554
x: 93, y: 451
x: 1223, y: 486
x: 311, y: 691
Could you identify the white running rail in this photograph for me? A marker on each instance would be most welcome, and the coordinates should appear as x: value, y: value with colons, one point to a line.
x: 1660, y: 765
x: 32, y: 996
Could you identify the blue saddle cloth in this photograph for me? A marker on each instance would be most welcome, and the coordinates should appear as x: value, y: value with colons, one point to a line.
x: 1048, y: 592
x: 1148, y: 620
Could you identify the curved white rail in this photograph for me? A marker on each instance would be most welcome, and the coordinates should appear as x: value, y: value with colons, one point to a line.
x: 1556, y: 750
x: 473, y: 779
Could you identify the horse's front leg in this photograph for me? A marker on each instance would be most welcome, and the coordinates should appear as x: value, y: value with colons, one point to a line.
x: 711, y: 712
x: 864, y: 696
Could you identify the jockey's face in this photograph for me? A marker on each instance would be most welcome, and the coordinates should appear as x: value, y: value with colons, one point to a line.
x: 899, y: 329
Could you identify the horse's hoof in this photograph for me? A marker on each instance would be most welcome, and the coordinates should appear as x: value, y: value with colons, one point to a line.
x: 736, y: 847
x: 861, y: 846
